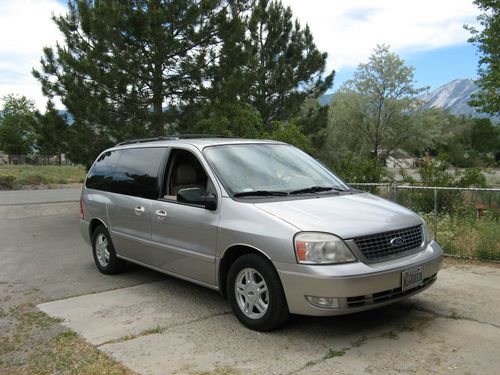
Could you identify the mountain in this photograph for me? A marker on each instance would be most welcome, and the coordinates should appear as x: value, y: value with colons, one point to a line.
x: 453, y: 97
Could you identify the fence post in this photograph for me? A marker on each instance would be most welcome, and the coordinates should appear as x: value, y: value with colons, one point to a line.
x: 435, y: 214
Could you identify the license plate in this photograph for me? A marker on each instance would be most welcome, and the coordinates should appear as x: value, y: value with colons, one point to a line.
x: 411, y: 279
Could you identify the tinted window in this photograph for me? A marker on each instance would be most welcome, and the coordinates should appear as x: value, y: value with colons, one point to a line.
x: 101, y: 174
x: 137, y: 172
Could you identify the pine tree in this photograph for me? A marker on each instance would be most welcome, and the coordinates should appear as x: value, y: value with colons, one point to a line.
x: 51, y: 130
x: 122, y: 62
x: 285, y: 68
x: 268, y: 62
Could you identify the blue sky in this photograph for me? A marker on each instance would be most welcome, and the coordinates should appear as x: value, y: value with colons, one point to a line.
x: 432, y: 68
x: 428, y: 34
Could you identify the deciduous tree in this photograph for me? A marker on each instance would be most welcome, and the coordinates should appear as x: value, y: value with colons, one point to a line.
x: 16, y: 125
x: 378, y: 106
x: 488, y: 41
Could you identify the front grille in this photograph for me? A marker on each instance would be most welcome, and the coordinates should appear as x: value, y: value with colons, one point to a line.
x: 387, y: 295
x: 378, y: 247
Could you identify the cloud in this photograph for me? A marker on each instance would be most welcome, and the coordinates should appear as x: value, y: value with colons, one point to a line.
x: 26, y: 27
x: 349, y: 30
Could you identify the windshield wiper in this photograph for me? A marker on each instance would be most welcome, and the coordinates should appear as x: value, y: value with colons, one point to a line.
x: 315, y: 189
x: 260, y: 193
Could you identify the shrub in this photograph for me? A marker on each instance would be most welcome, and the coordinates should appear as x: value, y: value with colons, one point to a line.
x: 354, y: 168
x: 438, y: 174
x: 467, y: 236
x: 7, y: 182
x: 33, y: 179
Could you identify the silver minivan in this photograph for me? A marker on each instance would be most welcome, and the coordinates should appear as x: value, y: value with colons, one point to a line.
x: 265, y: 224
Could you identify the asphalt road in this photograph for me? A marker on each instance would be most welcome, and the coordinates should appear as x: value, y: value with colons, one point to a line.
x: 15, y: 197
x: 40, y: 245
x: 156, y: 324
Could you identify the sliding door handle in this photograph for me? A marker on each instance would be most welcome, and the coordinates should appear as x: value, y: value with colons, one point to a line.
x: 139, y: 210
x: 161, y: 214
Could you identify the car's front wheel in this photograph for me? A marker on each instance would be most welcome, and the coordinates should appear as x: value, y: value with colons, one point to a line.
x: 104, y: 252
x: 255, y: 293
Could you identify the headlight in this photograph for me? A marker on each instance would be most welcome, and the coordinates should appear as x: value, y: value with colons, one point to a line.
x: 321, y: 248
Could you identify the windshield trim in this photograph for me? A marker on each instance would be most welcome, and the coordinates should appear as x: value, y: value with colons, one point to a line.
x: 231, y: 193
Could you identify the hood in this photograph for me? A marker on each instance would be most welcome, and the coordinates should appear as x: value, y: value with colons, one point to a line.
x: 346, y: 216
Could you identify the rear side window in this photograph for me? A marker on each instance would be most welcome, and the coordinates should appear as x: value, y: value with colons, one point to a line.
x: 137, y: 171
x: 100, y: 176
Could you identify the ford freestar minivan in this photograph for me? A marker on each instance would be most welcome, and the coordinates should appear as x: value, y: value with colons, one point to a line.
x: 260, y: 221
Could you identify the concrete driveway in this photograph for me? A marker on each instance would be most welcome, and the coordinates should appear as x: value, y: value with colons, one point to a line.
x: 156, y: 324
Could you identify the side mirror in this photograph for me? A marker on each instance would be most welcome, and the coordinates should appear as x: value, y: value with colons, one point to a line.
x: 195, y: 196
x: 211, y: 202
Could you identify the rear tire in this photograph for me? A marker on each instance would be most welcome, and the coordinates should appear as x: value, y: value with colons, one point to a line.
x: 104, y: 252
x: 255, y: 293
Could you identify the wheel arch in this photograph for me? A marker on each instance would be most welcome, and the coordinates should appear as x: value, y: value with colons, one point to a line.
x: 232, y: 253
x: 93, y: 224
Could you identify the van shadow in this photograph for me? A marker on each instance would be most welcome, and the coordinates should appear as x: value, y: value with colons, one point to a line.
x: 404, y: 315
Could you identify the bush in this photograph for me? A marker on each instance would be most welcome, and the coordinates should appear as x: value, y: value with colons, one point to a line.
x: 359, y: 169
x: 466, y: 236
x: 33, y: 179
x: 438, y: 174
x: 7, y: 182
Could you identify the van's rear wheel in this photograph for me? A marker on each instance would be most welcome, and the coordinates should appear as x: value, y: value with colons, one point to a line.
x: 104, y: 252
x: 255, y: 293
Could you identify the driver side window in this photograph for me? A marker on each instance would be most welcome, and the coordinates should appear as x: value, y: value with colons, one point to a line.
x: 185, y: 171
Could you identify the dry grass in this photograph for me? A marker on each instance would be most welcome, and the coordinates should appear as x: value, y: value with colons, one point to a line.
x: 43, y: 174
x: 68, y: 353
x: 31, y: 342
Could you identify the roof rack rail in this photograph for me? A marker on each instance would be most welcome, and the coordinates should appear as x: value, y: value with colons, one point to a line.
x: 171, y: 137
x: 143, y: 140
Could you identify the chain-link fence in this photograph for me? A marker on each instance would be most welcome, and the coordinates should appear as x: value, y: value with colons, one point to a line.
x: 34, y: 160
x: 465, y: 221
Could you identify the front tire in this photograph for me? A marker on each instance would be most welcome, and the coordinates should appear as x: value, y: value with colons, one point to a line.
x: 104, y: 252
x: 255, y: 293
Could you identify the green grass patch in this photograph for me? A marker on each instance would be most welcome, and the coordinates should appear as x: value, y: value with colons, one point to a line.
x: 467, y: 236
x: 333, y: 353
x: 393, y: 335
x: 221, y: 370
x: 40, y: 175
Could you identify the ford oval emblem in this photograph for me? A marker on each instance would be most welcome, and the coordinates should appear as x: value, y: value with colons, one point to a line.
x: 397, y: 241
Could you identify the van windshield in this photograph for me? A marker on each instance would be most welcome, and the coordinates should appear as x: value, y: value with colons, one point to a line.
x: 270, y: 170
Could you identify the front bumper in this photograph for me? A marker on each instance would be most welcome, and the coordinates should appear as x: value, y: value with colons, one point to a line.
x: 358, y: 286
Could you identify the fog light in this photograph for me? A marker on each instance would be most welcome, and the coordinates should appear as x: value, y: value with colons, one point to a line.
x: 324, y: 302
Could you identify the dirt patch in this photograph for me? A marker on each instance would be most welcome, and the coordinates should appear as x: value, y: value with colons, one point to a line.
x: 452, y: 261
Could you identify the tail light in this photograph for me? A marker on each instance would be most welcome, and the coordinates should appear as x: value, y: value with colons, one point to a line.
x: 81, y: 208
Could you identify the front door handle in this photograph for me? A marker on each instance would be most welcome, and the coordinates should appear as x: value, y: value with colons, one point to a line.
x: 139, y: 210
x: 161, y: 214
